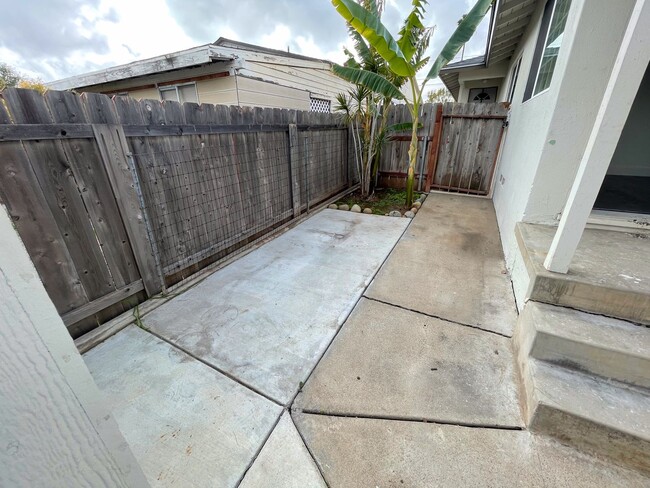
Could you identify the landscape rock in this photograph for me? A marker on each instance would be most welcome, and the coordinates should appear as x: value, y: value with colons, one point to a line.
x: 333, y: 206
x: 344, y: 207
x: 355, y: 208
x: 417, y: 204
x: 367, y: 210
x: 394, y: 213
x: 414, y: 210
x: 409, y: 214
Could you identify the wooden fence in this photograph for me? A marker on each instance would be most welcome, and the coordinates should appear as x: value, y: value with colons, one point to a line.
x: 458, y: 147
x: 116, y: 198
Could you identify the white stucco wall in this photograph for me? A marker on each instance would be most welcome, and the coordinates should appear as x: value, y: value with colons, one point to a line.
x: 522, y: 144
x: 548, y: 133
x: 55, y: 430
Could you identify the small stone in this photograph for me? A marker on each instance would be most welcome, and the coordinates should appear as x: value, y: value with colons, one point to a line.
x: 355, y: 208
x: 344, y: 207
x: 417, y: 204
x: 409, y: 214
x: 394, y: 213
x: 367, y: 210
x: 414, y: 210
x: 333, y: 206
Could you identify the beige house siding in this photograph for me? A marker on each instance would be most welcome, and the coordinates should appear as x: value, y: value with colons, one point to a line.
x: 145, y: 93
x: 259, y: 93
x: 219, y: 91
x: 320, y: 82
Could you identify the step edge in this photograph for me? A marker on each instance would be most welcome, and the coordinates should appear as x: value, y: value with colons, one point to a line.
x: 541, y: 399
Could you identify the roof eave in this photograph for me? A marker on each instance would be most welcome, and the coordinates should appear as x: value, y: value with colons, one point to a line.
x: 188, y: 58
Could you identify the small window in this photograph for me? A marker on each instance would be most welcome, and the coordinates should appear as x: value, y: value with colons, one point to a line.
x: 180, y: 93
x: 548, y: 45
x: 514, y: 74
x: 320, y: 105
x: 482, y: 95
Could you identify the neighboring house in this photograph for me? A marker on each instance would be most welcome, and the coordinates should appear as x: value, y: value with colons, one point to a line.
x: 225, y: 72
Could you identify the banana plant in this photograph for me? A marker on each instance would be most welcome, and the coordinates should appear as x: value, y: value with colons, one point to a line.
x: 405, y: 57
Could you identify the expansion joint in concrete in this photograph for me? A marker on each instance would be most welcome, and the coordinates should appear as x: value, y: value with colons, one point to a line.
x: 437, y: 317
x: 412, y: 420
x: 219, y: 370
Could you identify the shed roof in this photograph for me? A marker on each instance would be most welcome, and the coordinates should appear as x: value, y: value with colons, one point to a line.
x: 219, y: 51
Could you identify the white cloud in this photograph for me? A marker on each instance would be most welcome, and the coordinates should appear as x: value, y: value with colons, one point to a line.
x: 67, y: 37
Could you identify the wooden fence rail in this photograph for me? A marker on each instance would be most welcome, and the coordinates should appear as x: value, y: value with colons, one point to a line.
x: 116, y: 198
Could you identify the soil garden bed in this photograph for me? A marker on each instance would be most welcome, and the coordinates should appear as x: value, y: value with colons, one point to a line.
x: 381, y: 202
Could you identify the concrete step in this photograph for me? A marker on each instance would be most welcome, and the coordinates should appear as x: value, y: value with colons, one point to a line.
x: 602, y: 417
x: 609, y: 273
x: 585, y: 342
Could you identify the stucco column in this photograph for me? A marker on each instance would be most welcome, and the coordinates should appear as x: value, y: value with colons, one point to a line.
x: 627, y: 74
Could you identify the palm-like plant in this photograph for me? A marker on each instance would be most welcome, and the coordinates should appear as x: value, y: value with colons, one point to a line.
x: 365, y: 111
x: 404, y: 57
x: 361, y: 112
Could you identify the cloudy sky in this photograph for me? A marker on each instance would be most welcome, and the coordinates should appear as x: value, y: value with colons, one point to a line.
x: 52, y: 39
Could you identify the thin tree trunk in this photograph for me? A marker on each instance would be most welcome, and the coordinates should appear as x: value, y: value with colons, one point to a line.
x: 413, y: 154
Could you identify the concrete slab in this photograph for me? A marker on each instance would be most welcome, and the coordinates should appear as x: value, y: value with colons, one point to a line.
x: 609, y: 274
x: 268, y: 317
x: 391, y: 363
x: 284, y: 461
x: 186, y: 424
x: 371, y: 453
x: 450, y: 264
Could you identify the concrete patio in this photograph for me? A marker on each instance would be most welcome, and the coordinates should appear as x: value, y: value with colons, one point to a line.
x: 352, y: 351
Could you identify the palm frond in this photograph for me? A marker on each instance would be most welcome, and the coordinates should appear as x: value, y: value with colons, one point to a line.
x: 463, y: 33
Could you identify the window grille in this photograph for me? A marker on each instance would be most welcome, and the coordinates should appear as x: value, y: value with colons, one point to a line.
x: 320, y: 105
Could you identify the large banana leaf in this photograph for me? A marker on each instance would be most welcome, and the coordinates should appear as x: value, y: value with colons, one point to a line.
x: 370, y: 27
x: 412, y: 29
x: 373, y: 81
x: 461, y: 35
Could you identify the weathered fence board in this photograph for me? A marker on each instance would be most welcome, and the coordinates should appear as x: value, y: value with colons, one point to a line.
x: 28, y: 209
x: 113, y: 149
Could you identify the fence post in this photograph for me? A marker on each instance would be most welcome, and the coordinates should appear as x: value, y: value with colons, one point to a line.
x: 434, y: 148
x: 113, y: 149
x: 294, y: 160
x: 305, y: 153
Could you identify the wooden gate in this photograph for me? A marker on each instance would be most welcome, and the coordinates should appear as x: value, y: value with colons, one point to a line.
x: 466, y: 142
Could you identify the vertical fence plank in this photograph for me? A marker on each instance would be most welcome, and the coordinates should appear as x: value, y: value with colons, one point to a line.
x: 94, y: 187
x: 26, y: 204
x: 294, y: 161
x: 99, y: 108
x: 113, y: 148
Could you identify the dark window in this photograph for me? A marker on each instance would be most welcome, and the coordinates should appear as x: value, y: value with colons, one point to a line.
x: 514, y: 74
x: 483, y: 95
x: 547, y: 48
